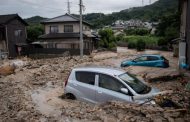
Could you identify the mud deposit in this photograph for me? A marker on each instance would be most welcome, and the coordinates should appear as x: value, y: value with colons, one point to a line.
x: 32, y: 93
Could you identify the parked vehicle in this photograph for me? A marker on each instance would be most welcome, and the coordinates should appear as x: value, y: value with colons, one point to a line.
x: 147, y: 60
x: 99, y: 85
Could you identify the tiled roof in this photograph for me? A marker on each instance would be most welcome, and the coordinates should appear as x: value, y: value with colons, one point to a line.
x: 63, y: 18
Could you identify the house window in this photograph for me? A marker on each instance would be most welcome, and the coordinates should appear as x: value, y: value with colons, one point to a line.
x: 54, y: 29
x: 68, y: 28
x: 18, y: 33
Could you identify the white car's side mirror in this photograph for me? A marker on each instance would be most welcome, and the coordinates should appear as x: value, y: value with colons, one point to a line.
x: 124, y: 90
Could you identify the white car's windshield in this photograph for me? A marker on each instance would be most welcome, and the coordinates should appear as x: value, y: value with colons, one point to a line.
x: 134, y: 83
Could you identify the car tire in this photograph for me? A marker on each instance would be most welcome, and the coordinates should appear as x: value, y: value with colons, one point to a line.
x: 70, y: 96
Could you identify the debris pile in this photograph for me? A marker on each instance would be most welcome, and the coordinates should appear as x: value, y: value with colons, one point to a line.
x: 29, y: 76
x: 7, y: 70
x: 118, y: 111
x: 15, y: 104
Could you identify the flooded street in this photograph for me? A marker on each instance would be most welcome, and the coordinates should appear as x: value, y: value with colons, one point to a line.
x: 45, y: 97
x: 35, y: 91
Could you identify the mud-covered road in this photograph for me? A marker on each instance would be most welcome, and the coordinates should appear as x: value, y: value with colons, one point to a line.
x: 34, y: 92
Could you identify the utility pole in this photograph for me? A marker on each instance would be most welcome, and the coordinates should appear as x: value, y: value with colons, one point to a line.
x: 81, y: 30
x: 68, y: 7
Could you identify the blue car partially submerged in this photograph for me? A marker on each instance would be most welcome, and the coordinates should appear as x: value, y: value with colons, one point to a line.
x: 147, y: 60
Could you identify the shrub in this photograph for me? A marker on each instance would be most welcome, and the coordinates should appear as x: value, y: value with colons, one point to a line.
x: 107, y: 39
x: 140, y: 45
x: 120, y: 37
x: 138, y: 31
x: 151, y: 41
x: 131, y: 44
x: 111, y: 45
x: 162, y: 42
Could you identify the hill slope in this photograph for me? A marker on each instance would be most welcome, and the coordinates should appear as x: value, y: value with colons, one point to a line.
x: 34, y: 20
x: 151, y: 12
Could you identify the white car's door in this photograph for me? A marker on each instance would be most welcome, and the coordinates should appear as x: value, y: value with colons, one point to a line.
x: 109, y: 89
x: 85, y: 85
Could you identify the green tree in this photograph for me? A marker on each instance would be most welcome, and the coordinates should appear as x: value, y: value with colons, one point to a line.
x: 120, y: 37
x: 34, y: 31
x: 138, y: 31
x: 169, y: 27
x: 107, y: 39
x: 151, y: 13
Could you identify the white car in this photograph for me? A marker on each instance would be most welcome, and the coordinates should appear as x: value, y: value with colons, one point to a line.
x: 100, y: 85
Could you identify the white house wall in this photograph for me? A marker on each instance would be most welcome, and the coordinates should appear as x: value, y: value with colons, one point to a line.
x: 61, y: 27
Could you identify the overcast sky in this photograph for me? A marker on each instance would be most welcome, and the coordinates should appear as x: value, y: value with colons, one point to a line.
x: 52, y: 8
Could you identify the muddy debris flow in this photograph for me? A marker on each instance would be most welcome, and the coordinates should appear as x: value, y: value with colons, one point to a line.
x: 32, y: 93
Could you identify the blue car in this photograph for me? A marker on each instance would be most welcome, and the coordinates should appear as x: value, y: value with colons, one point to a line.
x: 147, y: 60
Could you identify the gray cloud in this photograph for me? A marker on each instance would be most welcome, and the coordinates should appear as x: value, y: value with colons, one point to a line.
x: 52, y: 8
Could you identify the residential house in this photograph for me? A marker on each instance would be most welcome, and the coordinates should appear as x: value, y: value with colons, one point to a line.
x: 184, y: 44
x: 12, y: 34
x: 118, y: 26
x: 148, y: 25
x: 132, y: 24
x: 62, y: 34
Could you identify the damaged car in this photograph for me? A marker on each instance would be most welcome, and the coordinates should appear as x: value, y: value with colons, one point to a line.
x: 102, y: 84
x: 147, y: 60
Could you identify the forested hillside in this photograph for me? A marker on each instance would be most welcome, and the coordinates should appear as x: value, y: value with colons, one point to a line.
x: 151, y: 12
x: 35, y: 20
x: 164, y: 11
